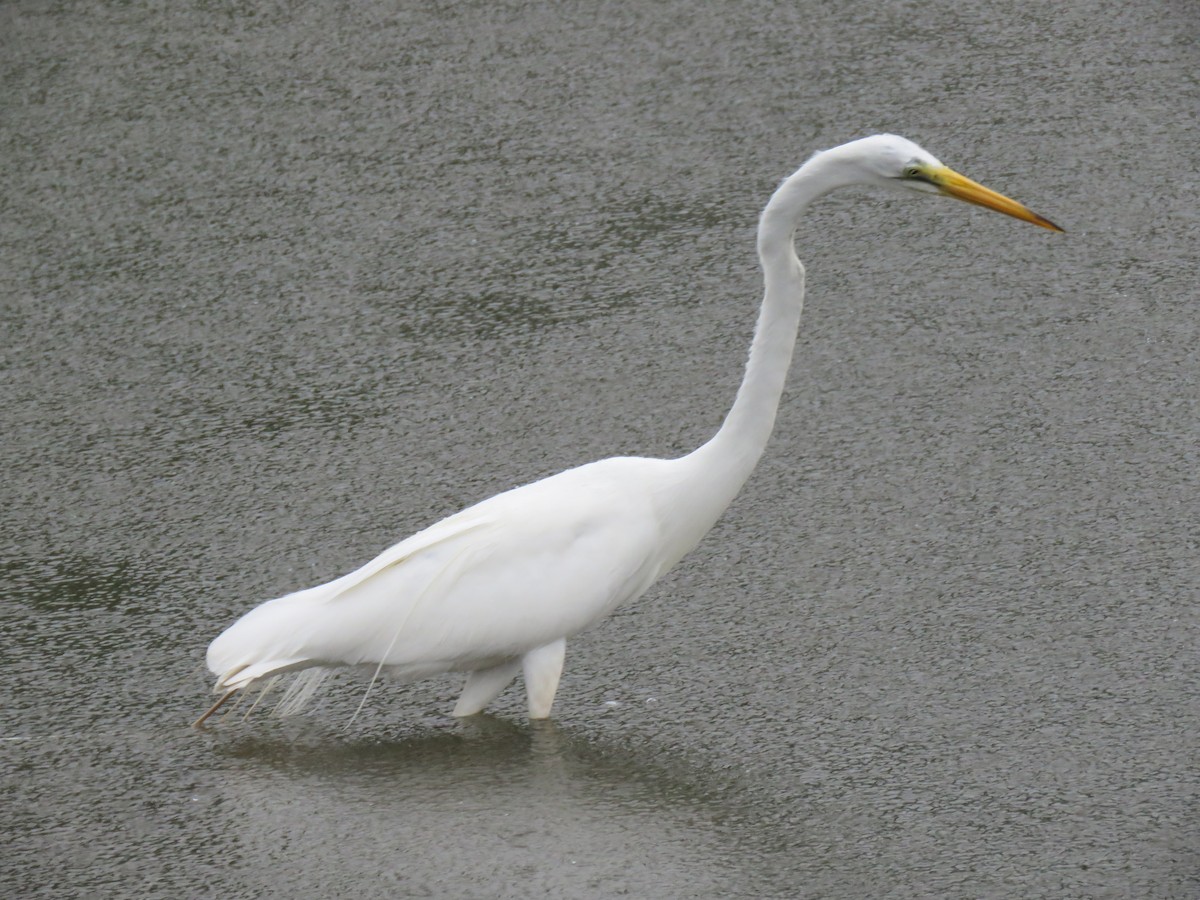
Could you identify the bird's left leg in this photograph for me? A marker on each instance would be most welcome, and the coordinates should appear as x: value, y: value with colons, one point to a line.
x: 484, y: 686
x: 543, y: 667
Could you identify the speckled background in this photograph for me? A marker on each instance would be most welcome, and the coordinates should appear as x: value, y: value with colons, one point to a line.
x: 281, y: 283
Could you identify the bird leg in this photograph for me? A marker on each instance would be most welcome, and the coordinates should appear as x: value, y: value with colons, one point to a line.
x: 484, y: 685
x: 212, y: 709
x: 543, y: 668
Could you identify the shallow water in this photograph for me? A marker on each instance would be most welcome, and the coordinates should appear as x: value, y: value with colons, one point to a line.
x: 280, y: 286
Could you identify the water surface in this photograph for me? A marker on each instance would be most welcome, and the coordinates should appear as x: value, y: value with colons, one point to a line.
x: 281, y: 285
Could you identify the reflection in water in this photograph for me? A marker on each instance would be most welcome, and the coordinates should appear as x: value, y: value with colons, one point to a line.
x: 483, y: 804
x: 478, y: 808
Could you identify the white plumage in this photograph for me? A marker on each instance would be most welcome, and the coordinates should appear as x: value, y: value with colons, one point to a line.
x: 500, y: 586
x: 460, y: 595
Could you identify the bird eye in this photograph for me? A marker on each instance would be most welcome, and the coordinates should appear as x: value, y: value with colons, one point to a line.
x: 912, y: 171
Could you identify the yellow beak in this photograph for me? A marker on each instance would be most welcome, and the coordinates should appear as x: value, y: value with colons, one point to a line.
x: 951, y: 183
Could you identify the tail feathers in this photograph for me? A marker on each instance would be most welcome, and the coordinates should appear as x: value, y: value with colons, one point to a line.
x: 273, y: 638
x: 297, y: 695
x: 244, y: 676
x: 301, y: 690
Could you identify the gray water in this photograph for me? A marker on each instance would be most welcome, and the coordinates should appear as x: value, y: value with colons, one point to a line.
x: 283, y: 283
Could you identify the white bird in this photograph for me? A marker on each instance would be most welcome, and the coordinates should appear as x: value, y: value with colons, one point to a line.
x: 499, y: 587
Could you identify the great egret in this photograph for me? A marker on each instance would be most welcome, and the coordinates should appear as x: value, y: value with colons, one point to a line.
x: 500, y: 586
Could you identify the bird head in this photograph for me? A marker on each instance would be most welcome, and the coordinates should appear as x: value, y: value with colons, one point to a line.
x: 893, y: 162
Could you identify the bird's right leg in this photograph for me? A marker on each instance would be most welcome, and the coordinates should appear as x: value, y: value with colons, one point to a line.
x: 484, y: 686
x: 543, y: 668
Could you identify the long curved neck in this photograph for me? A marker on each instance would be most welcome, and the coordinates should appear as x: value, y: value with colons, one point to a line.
x: 723, y: 464
x: 748, y: 425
